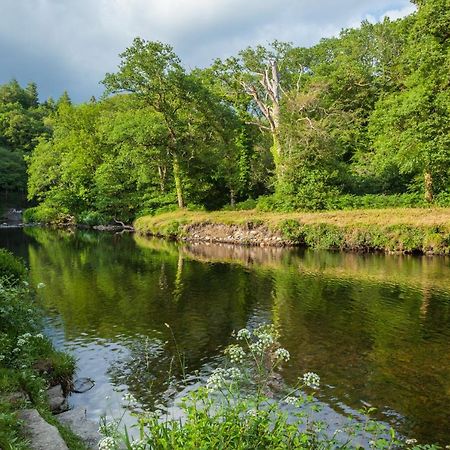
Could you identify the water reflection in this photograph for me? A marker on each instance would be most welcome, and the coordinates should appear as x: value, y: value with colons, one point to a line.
x: 375, y: 327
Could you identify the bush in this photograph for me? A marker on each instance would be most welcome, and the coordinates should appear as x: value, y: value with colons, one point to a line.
x: 92, y: 218
x: 246, y: 205
x: 45, y: 214
x: 11, y: 268
x: 333, y: 201
x: 394, y: 238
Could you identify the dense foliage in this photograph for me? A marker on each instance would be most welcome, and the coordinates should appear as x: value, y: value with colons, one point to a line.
x: 364, y: 113
x: 23, y: 350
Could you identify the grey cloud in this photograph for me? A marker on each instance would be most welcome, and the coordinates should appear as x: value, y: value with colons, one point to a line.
x: 70, y: 44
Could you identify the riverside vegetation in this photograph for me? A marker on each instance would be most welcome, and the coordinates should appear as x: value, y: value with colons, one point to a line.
x: 244, y: 406
x: 356, y: 121
x: 390, y: 230
x: 29, y: 364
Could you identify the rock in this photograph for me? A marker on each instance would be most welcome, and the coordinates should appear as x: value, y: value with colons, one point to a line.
x: 82, y: 385
x: 57, y: 401
x: 83, y: 427
x: 41, y: 434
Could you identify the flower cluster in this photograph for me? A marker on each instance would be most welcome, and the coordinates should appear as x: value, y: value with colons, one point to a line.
x: 220, y: 377
x: 25, y: 339
x: 236, y: 353
x: 282, y: 354
x: 107, y: 443
x: 243, y: 334
x: 107, y: 428
x: 311, y: 380
x: 129, y: 398
x: 138, y: 445
x: 291, y: 401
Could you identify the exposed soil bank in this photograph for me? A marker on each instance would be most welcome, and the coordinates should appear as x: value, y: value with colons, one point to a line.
x: 424, y: 231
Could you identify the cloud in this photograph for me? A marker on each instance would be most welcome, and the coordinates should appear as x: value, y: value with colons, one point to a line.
x: 71, y: 44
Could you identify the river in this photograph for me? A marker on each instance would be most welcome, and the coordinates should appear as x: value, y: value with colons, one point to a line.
x: 376, y: 328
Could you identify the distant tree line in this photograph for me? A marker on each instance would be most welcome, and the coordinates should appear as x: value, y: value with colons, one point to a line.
x: 362, y: 115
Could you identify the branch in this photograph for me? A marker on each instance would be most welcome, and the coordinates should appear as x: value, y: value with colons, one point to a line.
x: 259, y: 125
x: 125, y: 227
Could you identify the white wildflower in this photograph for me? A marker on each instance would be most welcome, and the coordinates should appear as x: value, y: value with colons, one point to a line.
x: 243, y: 334
x: 234, y: 373
x: 411, y: 441
x: 107, y: 443
x: 291, y: 401
x: 129, y: 398
x: 216, y: 380
x: 138, y: 445
x: 236, y: 353
x: 21, y: 342
x: 107, y: 428
x: 282, y: 354
x: 311, y: 380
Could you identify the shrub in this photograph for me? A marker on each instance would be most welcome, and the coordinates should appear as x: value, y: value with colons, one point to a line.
x: 92, y: 218
x: 11, y: 268
x: 45, y: 214
x: 246, y: 205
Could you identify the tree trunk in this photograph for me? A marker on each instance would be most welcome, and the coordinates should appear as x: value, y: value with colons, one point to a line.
x: 162, y: 178
x: 178, y: 183
x: 232, y: 198
x: 269, y: 105
x: 428, y: 182
x: 276, y: 153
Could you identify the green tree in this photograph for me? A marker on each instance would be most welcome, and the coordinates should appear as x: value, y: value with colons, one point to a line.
x: 411, y: 126
x: 192, y: 118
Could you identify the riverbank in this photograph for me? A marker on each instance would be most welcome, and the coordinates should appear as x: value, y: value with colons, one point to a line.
x: 35, y: 378
x: 396, y: 230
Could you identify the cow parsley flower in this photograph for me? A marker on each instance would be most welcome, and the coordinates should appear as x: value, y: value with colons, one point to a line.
x: 138, y: 445
x: 243, y: 334
x: 236, y: 353
x: 107, y: 443
x: 282, y: 354
x: 129, y: 398
x: 291, y: 401
x: 311, y: 380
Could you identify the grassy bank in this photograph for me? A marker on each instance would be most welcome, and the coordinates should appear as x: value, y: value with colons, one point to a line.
x: 406, y: 230
x: 29, y: 364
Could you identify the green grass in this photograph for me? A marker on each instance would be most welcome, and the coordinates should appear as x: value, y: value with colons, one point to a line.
x: 28, y: 361
x: 406, y: 230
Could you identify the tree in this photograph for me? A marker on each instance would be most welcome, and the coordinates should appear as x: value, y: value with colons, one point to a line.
x: 192, y: 117
x: 411, y: 126
x: 256, y: 81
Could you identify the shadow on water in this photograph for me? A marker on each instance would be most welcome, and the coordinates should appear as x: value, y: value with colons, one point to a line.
x: 375, y: 327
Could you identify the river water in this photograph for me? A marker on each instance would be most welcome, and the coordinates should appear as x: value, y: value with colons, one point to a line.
x: 376, y: 328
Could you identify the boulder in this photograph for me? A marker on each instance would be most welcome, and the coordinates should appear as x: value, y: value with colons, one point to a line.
x: 84, y: 428
x: 56, y: 399
x: 42, y: 435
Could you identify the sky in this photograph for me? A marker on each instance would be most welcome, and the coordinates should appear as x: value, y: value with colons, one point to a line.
x: 71, y: 44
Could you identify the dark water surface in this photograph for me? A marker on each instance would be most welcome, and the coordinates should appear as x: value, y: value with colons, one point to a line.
x: 376, y: 328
